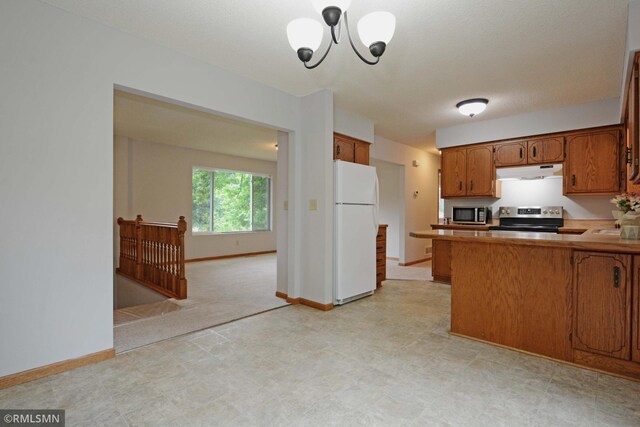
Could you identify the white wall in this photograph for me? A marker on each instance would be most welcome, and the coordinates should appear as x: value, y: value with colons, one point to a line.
x: 632, y: 46
x: 353, y: 125
x: 419, y: 212
x: 546, y: 192
x: 391, y: 189
x: 56, y: 170
x: 159, y: 188
x: 317, y: 251
x: 599, y: 113
x: 281, y: 210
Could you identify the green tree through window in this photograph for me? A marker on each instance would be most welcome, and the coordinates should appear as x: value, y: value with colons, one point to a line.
x: 228, y: 201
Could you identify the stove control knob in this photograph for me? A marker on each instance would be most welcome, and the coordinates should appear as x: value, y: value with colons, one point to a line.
x: 557, y: 212
x: 508, y: 211
x: 544, y: 211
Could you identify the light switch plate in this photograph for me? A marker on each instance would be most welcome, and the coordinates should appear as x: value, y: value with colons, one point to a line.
x: 313, y: 205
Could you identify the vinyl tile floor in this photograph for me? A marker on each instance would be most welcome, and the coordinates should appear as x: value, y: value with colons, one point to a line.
x: 384, y: 360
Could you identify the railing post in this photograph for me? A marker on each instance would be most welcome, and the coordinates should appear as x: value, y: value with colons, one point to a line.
x: 138, y: 273
x: 182, y: 281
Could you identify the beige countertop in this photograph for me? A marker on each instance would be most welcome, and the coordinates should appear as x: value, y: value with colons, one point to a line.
x: 590, y: 240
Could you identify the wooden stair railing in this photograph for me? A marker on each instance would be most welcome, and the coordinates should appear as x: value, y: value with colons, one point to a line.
x: 152, y: 254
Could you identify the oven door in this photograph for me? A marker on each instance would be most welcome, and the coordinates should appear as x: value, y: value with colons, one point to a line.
x: 465, y: 215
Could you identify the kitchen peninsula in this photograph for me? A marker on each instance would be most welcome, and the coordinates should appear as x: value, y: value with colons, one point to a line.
x: 568, y: 297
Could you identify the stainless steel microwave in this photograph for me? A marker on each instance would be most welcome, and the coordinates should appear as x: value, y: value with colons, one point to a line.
x: 466, y: 215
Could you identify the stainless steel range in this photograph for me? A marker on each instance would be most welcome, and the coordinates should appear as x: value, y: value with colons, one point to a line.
x: 540, y: 219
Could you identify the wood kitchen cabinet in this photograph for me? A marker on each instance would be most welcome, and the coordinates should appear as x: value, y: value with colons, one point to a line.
x: 350, y: 149
x: 381, y: 255
x: 593, y: 162
x: 635, y: 311
x: 602, y: 303
x: 454, y: 172
x: 545, y: 150
x: 441, y: 262
x: 468, y: 172
x: 510, y: 153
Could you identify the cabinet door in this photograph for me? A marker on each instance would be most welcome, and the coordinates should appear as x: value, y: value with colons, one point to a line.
x: 480, y: 171
x: 548, y: 150
x: 343, y: 149
x: 592, y: 164
x: 635, y: 323
x: 633, y: 125
x: 454, y: 172
x: 511, y: 153
x: 441, y: 263
x: 602, y: 303
x: 362, y: 152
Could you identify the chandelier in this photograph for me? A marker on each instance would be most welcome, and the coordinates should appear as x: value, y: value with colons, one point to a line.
x: 305, y: 35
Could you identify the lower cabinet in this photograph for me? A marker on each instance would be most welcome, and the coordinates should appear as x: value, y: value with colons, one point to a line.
x: 441, y: 261
x: 381, y: 255
x: 602, y: 285
x: 635, y: 311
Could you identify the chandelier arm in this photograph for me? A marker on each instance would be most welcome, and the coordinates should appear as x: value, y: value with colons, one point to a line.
x: 365, y: 60
x: 311, y: 67
x: 336, y: 39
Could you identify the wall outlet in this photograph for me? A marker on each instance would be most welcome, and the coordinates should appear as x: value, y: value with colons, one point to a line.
x: 313, y: 205
x: 237, y: 242
x: 427, y: 250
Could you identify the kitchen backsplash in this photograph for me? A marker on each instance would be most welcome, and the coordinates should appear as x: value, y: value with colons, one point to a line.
x: 541, y: 192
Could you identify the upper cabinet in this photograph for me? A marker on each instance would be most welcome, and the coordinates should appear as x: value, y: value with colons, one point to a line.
x: 481, y: 175
x: 350, y: 149
x: 545, y: 150
x: 454, y: 172
x: 531, y: 152
x: 593, y: 163
x: 511, y: 153
x: 468, y: 172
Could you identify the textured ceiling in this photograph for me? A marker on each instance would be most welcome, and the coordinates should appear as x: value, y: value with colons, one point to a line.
x: 524, y: 55
x: 149, y: 120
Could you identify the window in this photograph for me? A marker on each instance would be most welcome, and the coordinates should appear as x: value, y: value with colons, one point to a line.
x: 230, y: 201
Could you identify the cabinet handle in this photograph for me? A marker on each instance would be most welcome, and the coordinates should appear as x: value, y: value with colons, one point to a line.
x: 573, y: 180
x: 521, y: 153
x: 460, y: 186
x: 471, y: 185
x: 616, y: 277
x: 338, y: 150
x: 534, y: 151
x: 629, y: 159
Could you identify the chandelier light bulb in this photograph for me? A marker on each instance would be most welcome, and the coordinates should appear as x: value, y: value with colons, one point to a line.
x: 304, y: 33
x: 472, y: 107
x: 376, y: 27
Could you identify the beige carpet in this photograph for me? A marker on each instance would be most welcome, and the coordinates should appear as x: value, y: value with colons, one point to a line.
x: 218, y: 292
x: 420, y: 271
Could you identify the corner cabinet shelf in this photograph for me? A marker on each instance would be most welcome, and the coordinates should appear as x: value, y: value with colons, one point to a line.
x: 381, y: 255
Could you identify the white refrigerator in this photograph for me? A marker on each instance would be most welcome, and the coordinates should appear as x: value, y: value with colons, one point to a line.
x: 355, y: 231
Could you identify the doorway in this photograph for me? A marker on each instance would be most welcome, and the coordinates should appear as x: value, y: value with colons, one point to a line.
x: 228, y: 179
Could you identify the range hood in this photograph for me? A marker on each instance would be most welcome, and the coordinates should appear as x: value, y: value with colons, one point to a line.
x: 529, y: 172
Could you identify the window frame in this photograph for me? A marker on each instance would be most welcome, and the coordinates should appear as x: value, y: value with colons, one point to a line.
x: 212, y: 171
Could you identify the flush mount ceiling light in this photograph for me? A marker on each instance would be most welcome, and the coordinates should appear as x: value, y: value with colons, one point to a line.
x: 305, y: 35
x: 471, y: 107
